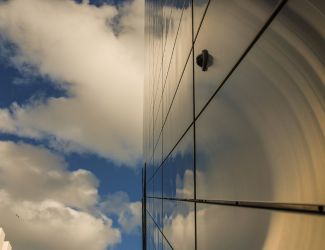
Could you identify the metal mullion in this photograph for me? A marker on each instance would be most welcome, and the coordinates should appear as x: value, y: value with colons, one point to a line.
x: 316, y: 209
x: 194, y: 130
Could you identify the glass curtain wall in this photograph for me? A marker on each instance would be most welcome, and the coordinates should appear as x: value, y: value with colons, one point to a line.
x: 234, y: 125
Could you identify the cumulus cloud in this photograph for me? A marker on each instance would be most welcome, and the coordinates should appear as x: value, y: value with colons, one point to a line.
x: 44, y: 206
x: 76, y: 46
x: 128, y: 213
x: 52, y: 225
x: 32, y: 173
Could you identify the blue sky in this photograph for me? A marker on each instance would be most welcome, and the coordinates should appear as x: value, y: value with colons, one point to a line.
x: 47, y: 111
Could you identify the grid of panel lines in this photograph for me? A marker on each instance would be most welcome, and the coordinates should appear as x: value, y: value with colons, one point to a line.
x: 226, y: 161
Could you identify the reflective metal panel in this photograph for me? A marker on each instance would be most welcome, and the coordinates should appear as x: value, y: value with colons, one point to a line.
x: 232, y: 228
x: 178, y: 179
x: 179, y: 224
x: 227, y: 30
x: 262, y: 137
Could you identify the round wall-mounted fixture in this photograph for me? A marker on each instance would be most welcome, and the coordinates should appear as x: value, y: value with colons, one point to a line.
x: 204, y: 60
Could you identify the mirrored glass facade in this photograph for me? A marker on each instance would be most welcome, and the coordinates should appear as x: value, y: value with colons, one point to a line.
x: 234, y: 125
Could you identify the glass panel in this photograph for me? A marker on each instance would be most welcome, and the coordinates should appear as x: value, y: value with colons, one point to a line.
x: 158, y: 183
x: 150, y: 205
x: 180, y: 115
x: 166, y: 246
x: 149, y: 171
x: 157, y: 239
x: 227, y: 30
x: 166, y: 22
x: 199, y: 7
x: 178, y: 179
x: 179, y: 25
x: 150, y: 188
x: 150, y: 233
x: 158, y: 155
x: 157, y: 109
x: 262, y: 136
x: 223, y: 227
x: 179, y: 226
x: 173, y: 19
x: 180, y: 55
x: 157, y: 213
x: 158, y: 44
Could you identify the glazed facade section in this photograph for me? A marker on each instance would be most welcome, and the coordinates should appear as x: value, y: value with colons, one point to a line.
x: 235, y: 155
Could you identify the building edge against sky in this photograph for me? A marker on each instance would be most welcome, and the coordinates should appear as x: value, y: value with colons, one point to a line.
x: 234, y: 125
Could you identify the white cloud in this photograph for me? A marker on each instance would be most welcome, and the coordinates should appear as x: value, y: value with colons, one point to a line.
x: 32, y: 173
x: 75, y: 46
x: 128, y: 213
x: 44, y: 206
x: 47, y: 206
x: 51, y: 225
